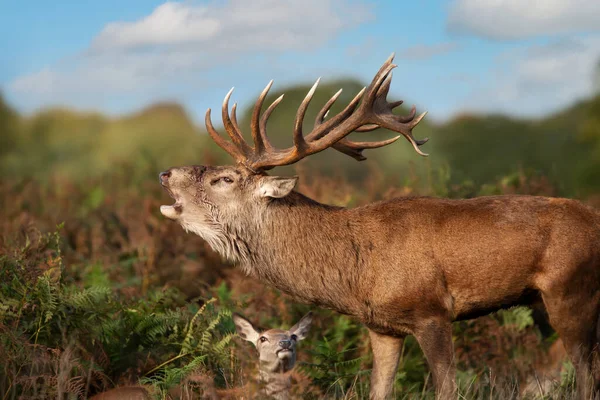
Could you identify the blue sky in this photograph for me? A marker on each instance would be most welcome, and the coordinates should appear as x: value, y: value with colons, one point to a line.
x: 512, y: 56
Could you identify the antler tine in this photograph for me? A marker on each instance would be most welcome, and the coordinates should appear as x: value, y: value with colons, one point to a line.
x: 377, y: 83
x: 263, y: 123
x: 299, y: 140
x: 395, y: 104
x: 354, y: 149
x: 222, y: 143
x: 381, y: 111
x: 385, y: 86
x: 325, y: 110
x: 382, y: 91
x: 257, y: 137
x: 367, y: 128
x: 231, y: 128
x: 332, y: 123
x: 409, y: 117
x: 405, y: 125
x: 414, y: 123
x: 234, y: 117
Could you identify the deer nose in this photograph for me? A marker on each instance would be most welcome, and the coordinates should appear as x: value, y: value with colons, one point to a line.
x: 163, y: 177
x: 285, y: 344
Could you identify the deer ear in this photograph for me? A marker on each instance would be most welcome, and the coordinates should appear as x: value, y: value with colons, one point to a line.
x: 245, y: 329
x: 276, y: 186
x: 301, y: 328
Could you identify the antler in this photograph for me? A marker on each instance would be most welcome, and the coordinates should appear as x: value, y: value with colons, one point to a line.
x: 368, y: 111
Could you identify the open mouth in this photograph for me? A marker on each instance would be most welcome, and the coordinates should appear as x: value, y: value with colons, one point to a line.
x: 174, y: 209
x: 284, y: 351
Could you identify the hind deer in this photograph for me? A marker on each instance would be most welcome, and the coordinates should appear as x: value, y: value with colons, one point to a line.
x: 276, y: 353
x: 546, y: 373
x: 406, y: 266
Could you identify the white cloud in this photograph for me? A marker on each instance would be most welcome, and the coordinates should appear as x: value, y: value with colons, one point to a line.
x: 514, y: 19
x: 181, y: 40
x: 538, y: 79
x: 427, y: 51
x: 169, y: 23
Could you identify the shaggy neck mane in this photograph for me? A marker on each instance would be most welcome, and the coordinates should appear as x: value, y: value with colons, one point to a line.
x: 296, y: 244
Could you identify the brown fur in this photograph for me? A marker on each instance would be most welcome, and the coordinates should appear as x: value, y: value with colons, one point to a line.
x: 407, y: 265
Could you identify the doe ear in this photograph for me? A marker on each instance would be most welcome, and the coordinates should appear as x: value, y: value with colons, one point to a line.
x: 301, y: 328
x: 245, y: 328
x: 276, y: 186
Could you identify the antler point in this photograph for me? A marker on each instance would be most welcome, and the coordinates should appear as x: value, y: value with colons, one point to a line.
x: 227, y: 96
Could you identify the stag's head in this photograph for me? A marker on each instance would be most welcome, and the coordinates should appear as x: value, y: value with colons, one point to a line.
x: 210, y: 200
x: 276, y: 347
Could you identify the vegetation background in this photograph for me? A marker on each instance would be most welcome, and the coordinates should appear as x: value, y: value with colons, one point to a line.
x: 97, y: 290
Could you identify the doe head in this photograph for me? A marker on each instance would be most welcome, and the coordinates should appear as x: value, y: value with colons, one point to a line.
x: 276, y: 347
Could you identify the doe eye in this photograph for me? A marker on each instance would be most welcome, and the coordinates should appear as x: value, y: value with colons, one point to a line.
x: 262, y: 339
x: 294, y: 337
x: 228, y: 180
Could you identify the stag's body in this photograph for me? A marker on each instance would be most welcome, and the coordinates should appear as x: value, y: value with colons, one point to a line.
x: 415, y: 265
x: 403, y: 266
x: 414, y: 253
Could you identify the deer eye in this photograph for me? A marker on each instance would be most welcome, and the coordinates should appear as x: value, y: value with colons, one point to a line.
x: 225, y: 179
x: 263, y: 339
x: 294, y: 337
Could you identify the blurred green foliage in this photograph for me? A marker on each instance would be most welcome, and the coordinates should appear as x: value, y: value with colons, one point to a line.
x: 565, y: 147
x: 76, y: 145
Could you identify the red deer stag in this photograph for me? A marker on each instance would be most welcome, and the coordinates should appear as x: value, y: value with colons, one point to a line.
x: 406, y: 266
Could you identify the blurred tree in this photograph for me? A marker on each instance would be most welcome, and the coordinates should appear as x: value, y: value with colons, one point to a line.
x: 587, y: 169
x: 162, y: 135
x: 478, y: 148
x: 62, y: 142
x: 484, y: 148
x: 596, y: 78
x: 9, y: 128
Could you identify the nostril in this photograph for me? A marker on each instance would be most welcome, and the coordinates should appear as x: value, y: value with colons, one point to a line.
x: 285, y: 344
x: 163, y: 176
